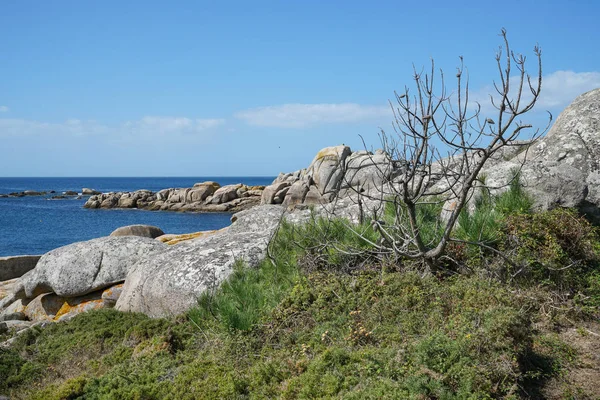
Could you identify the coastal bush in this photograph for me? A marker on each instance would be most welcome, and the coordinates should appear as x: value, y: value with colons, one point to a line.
x: 420, y: 336
x: 558, y: 249
x: 250, y: 292
x: 312, y: 323
x: 12, y: 370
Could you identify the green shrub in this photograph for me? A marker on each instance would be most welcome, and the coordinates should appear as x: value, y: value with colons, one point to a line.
x: 557, y: 248
x: 514, y: 200
x: 15, y: 370
x: 316, y: 320
x: 426, y: 337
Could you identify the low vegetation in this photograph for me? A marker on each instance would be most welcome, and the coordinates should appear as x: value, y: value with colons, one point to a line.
x: 327, y: 316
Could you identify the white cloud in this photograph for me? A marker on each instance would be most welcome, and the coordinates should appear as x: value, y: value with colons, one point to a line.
x: 559, y: 89
x: 152, y: 125
x: 306, y: 115
x: 4, y: 109
x: 23, y: 127
x: 149, y: 126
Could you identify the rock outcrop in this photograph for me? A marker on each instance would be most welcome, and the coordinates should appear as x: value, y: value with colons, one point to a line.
x: 47, y: 194
x: 50, y: 307
x: 15, y: 266
x: 172, y: 281
x: 147, y: 231
x: 24, y: 194
x: 73, y: 279
x: 334, y: 172
x: 203, y: 197
x: 158, y: 279
x: 562, y: 168
x: 83, y: 267
x: 89, y: 192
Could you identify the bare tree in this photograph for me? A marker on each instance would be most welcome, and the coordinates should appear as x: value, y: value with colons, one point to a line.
x: 430, y: 121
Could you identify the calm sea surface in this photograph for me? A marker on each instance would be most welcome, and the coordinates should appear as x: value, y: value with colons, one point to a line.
x: 36, y: 225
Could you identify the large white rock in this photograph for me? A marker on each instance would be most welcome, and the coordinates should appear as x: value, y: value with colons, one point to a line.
x: 84, y: 267
x: 550, y: 184
x: 225, y: 194
x: 171, y: 281
x: 562, y: 168
x: 327, y: 169
x: 147, y: 231
x: 574, y: 139
x: 366, y: 171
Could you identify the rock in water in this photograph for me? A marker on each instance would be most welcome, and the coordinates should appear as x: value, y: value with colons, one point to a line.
x: 84, y: 267
x: 171, y: 282
x: 147, y: 231
x: 203, y: 197
x: 89, y: 192
x: 15, y: 266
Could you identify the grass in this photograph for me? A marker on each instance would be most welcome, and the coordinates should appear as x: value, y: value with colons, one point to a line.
x: 481, y: 221
x: 486, y: 221
x: 318, y: 319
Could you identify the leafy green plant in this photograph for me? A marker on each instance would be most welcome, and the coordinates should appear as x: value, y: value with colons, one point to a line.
x: 557, y: 248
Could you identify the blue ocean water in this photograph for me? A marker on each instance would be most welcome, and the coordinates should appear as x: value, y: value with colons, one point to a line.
x: 36, y: 224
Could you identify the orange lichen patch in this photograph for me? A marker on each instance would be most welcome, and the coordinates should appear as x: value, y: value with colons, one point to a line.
x: 110, y: 291
x: 174, y: 239
x: 44, y: 307
x: 65, y: 309
x: 329, y: 152
x: 74, y: 306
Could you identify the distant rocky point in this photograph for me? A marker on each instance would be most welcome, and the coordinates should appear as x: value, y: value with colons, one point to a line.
x: 25, y: 193
x: 65, y: 195
x: 204, y: 197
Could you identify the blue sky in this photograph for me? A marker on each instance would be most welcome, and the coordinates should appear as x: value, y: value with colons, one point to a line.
x: 149, y: 88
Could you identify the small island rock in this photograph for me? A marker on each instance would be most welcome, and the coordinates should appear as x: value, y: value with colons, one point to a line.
x: 147, y: 231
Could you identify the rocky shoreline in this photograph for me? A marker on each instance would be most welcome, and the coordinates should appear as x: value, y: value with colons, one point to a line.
x: 206, y: 196
x: 163, y: 275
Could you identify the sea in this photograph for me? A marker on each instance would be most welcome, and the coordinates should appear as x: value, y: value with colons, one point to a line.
x: 38, y: 224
